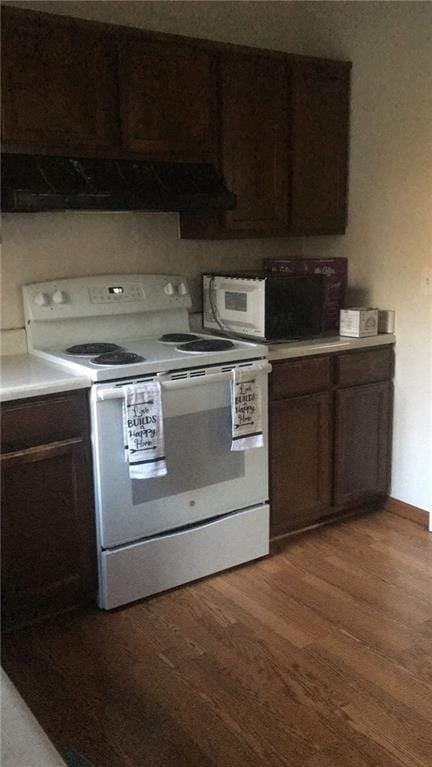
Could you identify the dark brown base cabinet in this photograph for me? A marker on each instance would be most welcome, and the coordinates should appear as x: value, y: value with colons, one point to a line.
x: 330, y: 440
x: 47, y: 516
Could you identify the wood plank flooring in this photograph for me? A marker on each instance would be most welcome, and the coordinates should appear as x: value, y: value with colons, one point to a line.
x: 318, y: 656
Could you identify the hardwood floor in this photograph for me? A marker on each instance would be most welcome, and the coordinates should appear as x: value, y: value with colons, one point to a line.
x: 318, y: 656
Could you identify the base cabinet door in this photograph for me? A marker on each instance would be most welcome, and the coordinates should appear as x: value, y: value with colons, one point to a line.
x: 300, y: 461
x: 362, y: 442
x: 47, y: 526
x: 330, y: 438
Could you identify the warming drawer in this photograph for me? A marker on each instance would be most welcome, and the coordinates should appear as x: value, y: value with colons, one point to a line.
x: 160, y: 563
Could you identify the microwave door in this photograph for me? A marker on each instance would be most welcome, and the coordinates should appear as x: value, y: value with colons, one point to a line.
x: 242, y: 307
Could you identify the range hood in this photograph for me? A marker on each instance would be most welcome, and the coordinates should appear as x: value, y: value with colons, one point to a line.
x: 32, y: 183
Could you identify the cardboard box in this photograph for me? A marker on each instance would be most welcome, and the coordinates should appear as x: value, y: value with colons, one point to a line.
x: 358, y: 322
x: 335, y: 274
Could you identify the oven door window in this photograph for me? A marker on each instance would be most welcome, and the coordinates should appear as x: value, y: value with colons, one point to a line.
x: 205, y: 478
x: 205, y: 462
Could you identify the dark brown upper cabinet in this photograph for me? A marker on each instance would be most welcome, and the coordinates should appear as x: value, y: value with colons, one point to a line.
x: 276, y: 125
x: 59, y: 85
x: 283, y: 147
x: 255, y: 142
x: 168, y: 100
x: 320, y: 136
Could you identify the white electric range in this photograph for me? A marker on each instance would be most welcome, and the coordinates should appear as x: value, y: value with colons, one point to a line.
x: 210, y: 511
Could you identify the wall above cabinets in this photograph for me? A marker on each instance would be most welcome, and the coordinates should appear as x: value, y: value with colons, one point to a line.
x: 274, y: 124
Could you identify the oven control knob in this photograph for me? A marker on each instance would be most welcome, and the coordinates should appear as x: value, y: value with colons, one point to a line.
x: 182, y: 289
x: 59, y: 297
x: 169, y: 289
x: 42, y: 299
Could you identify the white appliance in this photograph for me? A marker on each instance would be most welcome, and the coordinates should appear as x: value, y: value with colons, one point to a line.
x: 264, y: 306
x: 211, y: 509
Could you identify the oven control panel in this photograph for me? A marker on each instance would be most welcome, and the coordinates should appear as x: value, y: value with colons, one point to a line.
x: 105, y: 294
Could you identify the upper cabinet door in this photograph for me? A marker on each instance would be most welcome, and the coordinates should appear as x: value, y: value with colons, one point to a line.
x: 320, y: 128
x: 59, y: 87
x: 168, y: 100
x: 255, y: 141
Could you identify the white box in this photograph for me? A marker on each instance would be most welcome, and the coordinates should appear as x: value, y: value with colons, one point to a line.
x: 358, y: 322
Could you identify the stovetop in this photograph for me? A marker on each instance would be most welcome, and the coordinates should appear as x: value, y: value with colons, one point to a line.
x: 152, y: 356
x: 121, y: 320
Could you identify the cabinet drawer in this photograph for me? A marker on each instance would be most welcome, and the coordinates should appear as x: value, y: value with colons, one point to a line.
x: 365, y: 367
x: 302, y: 376
x: 43, y: 420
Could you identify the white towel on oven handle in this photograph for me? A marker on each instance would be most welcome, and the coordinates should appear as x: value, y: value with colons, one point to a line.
x: 143, y: 430
x: 246, y: 409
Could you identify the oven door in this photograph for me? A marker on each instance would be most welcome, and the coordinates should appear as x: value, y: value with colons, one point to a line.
x: 205, y: 479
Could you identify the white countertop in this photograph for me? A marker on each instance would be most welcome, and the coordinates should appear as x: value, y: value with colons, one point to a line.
x: 326, y: 346
x: 23, y: 375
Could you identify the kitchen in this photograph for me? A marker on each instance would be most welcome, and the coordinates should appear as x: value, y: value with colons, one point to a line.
x: 388, y: 252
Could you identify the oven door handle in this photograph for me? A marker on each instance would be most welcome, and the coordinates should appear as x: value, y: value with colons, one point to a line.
x: 208, y: 378
x: 185, y: 383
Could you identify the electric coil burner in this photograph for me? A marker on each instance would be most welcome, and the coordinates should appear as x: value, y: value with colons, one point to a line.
x: 117, y: 358
x: 206, y: 345
x: 92, y: 349
x: 178, y: 338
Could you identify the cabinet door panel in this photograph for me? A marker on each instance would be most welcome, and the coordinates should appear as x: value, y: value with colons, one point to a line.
x: 363, y: 442
x: 300, y: 461
x: 364, y: 367
x: 40, y: 421
x: 48, y: 541
x: 303, y: 376
x: 255, y: 149
x: 320, y: 126
x: 169, y: 100
x: 58, y: 84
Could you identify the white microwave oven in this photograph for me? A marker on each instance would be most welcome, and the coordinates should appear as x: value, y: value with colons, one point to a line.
x: 264, y: 306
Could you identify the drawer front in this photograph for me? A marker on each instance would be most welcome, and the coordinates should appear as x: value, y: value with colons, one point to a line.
x: 364, y: 367
x: 39, y: 421
x: 301, y: 376
x: 157, y: 564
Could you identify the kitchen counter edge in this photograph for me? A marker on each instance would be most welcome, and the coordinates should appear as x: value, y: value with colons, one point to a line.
x: 23, y: 375
x: 316, y: 346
